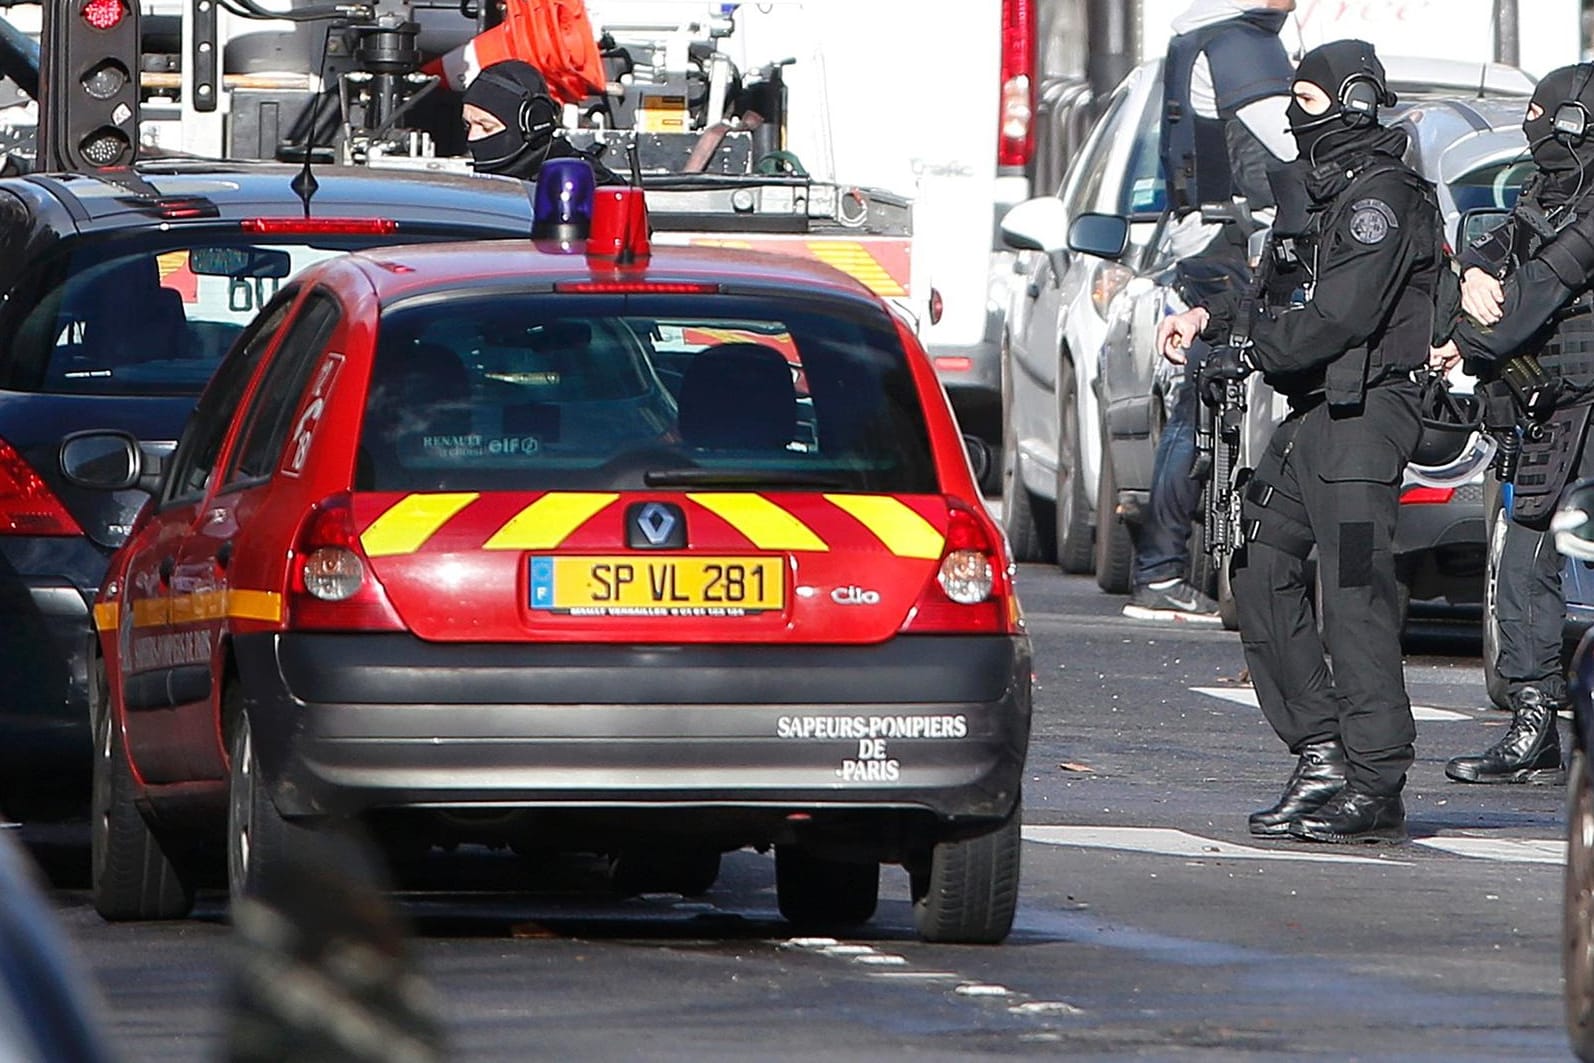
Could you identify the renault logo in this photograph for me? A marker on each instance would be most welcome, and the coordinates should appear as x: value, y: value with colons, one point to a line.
x: 655, y: 526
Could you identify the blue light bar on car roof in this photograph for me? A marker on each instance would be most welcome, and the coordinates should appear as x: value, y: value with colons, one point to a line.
x: 562, y: 203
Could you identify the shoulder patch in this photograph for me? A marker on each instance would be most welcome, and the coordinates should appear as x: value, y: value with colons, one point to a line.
x: 1371, y: 220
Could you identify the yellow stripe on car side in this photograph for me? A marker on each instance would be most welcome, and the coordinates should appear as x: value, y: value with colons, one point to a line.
x: 766, y: 524
x: 254, y: 605
x: 548, y: 521
x: 411, y: 521
x: 106, y: 616
x: 903, y: 531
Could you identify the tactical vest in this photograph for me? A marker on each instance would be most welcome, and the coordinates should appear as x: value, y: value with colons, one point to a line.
x: 1569, y: 352
x: 1248, y: 63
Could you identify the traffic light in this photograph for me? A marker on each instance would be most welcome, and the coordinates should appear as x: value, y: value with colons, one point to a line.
x: 89, y: 113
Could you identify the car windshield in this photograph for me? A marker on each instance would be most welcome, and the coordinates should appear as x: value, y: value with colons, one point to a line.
x: 514, y: 391
x: 149, y: 315
x: 1493, y: 186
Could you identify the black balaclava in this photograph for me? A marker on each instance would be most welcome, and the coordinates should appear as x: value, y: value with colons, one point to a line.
x: 1564, y: 160
x: 1330, y: 67
x: 516, y: 94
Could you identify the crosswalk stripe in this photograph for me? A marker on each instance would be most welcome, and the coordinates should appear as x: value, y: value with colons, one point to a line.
x: 1247, y: 696
x: 1165, y: 841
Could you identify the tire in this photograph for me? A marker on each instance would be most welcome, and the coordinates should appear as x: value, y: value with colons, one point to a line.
x: 689, y: 872
x: 1026, y: 520
x: 818, y: 893
x: 1577, y: 912
x: 1493, y: 681
x: 1115, y: 550
x: 968, y: 892
x: 259, y: 840
x: 132, y: 877
x: 1074, y: 528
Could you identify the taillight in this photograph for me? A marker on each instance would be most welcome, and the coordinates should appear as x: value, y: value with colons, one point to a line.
x: 972, y: 590
x: 319, y: 226
x: 331, y: 584
x: 1016, y: 144
x: 636, y: 288
x: 104, y: 14
x: 27, y: 505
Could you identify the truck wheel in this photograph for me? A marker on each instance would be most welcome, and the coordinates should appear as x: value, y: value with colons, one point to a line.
x: 968, y: 891
x: 1493, y: 681
x: 258, y: 838
x: 815, y: 892
x: 1076, y: 548
x: 132, y: 877
x: 1577, y: 912
x: 1115, y: 552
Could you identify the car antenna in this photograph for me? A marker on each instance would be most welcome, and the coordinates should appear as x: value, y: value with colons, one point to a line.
x: 304, y: 184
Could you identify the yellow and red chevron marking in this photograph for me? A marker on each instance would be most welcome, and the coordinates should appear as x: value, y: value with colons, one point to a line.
x: 881, y: 263
x: 233, y: 603
x: 461, y: 522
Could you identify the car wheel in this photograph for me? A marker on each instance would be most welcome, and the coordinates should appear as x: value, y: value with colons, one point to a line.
x: 1076, y: 549
x: 132, y: 876
x: 689, y: 872
x: 968, y: 890
x: 258, y: 838
x: 1115, y: 551
x: 1577, y: 912
x: 1026, y: 520
x: 815, y: 892
x: 1499, y: 692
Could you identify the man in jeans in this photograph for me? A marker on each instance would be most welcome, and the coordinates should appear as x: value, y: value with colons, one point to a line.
x: 1226, y: 86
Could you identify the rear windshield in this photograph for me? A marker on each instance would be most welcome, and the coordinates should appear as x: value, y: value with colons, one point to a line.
x: 514, y: 391
x: 145, y: 315
x: 1491, y: 187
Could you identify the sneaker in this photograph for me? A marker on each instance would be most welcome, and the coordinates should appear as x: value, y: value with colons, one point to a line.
x: 1176, y: 601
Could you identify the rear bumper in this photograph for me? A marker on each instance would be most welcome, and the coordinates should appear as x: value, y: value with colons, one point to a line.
x: 935, y: 725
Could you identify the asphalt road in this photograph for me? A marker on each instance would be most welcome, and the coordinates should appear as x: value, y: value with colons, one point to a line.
x: 1152, y: 926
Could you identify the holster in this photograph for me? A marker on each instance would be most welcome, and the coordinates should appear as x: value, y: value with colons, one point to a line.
x: 1546, y: 463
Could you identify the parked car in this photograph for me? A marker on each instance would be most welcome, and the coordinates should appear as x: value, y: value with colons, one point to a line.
x: 120, y: 294
x: 1051, y: 445
x: 1474, y: 152
x: 1574, y: 538
x: 517, y: 544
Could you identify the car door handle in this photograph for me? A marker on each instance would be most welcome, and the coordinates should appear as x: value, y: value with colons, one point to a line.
x: 168, y: 565
x: 224, y: 554
x: 1034, y: 290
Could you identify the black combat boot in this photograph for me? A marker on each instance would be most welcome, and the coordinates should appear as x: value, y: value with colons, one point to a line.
x: 1530, y: 751
x: 1319, y: 774
x: 1354, y: 815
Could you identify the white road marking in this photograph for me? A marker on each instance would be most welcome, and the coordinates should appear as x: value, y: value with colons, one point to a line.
x: 882, y: 959
x: 1247, y: 696
x: 1046, y: 1007
x: 981, y: 989
x: 1507, y: 850
x: 1165, y: 841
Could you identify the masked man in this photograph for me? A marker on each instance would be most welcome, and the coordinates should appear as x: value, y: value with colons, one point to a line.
x: 511, y: 123
x: 1349, y: 317
x: 1528, y: 327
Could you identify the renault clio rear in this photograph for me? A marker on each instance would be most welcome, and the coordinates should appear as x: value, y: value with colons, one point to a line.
x: 658, y: 559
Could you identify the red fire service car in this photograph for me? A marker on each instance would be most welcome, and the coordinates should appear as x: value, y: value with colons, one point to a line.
x: 571, y: 544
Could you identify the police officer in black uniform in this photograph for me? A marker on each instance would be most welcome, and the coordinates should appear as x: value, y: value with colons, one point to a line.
x: 1350, y: 315
x: 1529, y: 328
x: 511, y: 124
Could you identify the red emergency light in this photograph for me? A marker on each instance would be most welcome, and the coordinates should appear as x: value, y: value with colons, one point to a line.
x: 104, y: 14
x: 619, y: 226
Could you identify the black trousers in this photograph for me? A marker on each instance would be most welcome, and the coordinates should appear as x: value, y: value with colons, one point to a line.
x: 1331, y: 482
x: 1530, y: 603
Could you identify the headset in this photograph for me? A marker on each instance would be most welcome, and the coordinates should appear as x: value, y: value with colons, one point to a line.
x: 1360, y: 96
x: 538, y: 116
x: 1571, y: 121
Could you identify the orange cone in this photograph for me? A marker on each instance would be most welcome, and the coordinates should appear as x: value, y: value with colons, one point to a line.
x: 555, y: 36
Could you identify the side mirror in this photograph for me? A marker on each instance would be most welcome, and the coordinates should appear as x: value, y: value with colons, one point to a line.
x: 1475, y: 223
x: 102, y: 461
x: 1102, y: 235
x: 1573, y: 523
x: 1037, y: 225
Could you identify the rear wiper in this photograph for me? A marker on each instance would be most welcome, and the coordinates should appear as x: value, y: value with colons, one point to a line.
x: 738, y: 478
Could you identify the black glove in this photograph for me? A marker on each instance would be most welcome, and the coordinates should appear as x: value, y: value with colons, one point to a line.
x: 1222, y: 365
x: 1533, y: 389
